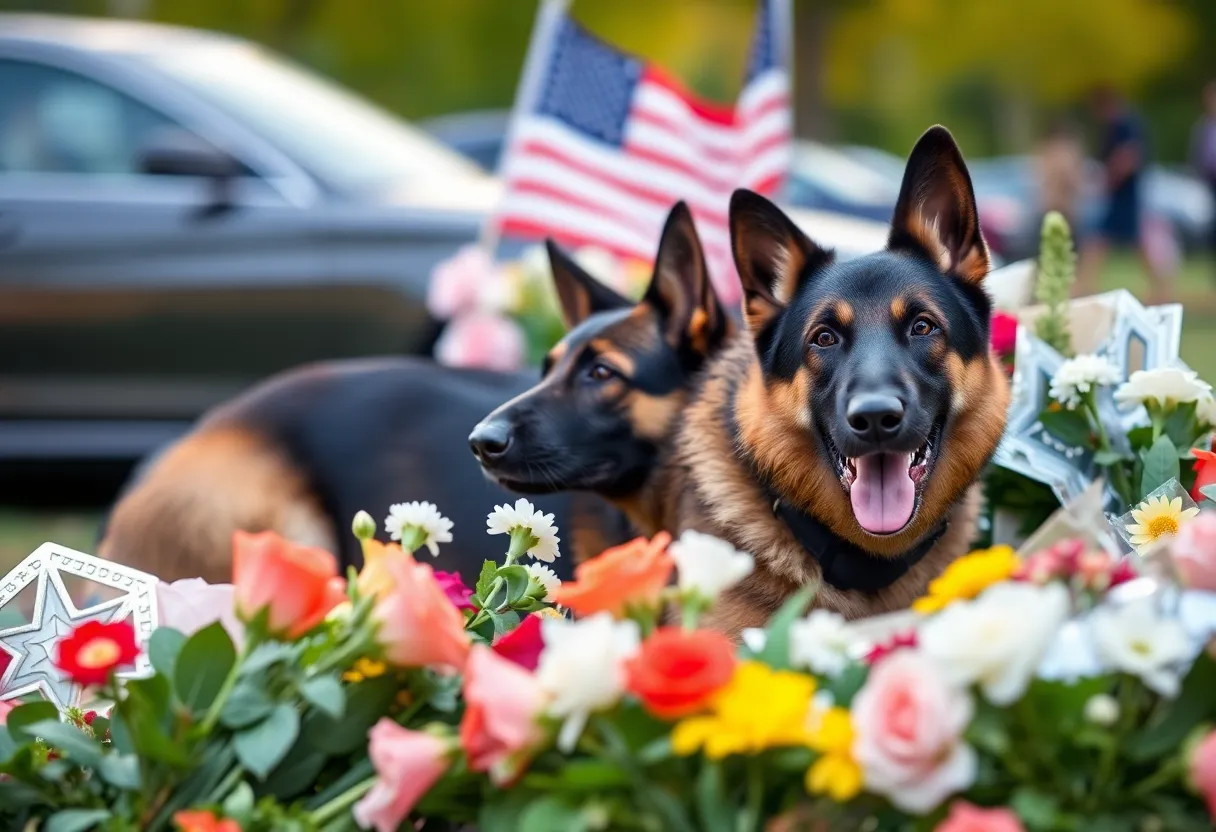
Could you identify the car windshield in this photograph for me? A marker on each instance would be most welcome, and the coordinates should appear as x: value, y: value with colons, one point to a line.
x: 345, y: 141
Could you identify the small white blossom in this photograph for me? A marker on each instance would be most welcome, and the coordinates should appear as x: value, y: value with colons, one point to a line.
x: 1163, y: 387
x: 545, y: 577
x: 820, y: 642
x: 1102, y: 709
x: 707, y: 565
x: 1078, y: 376
x: 424, y: 517
x: 582, y: 668
x: 505, y: 519
x: 1135, y: 639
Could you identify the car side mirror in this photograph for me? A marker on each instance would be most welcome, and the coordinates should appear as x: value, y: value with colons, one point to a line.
x: 181, y: 153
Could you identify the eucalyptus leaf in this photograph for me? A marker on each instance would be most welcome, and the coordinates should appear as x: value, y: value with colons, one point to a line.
x: 164, y: 646
x: 120, y: 771
x: 1108, y: 458
x: 1209, y: 491
x: 202, y: 665
x: 504, y: 622
x: 21, y: 718
x: 1160, y: 465
x: 325, y: 694
x: 75, y: 820
x: 239, y: 804
x: 1069, y: 426
x: 247, y: 704
x: 263, y: 746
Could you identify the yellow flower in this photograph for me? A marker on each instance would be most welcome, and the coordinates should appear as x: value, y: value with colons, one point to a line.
x: 364, y: 669
x: 759, y: 708
x: 967, y: 577
x: 835, y: 773
x: 1157, y: 517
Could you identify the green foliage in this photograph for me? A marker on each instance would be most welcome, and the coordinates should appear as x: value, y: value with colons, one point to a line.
x: 1057, y: 273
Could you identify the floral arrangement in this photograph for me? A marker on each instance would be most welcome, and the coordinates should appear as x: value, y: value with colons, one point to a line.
x: 1058, y: 692
x: 503, y: 316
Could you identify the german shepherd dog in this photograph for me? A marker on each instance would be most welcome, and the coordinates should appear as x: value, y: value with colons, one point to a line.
x: 839, y: 438
x: 302, y: 452
x: 604, y: 414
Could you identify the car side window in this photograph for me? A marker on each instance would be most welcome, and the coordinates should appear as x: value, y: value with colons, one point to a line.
x: 55, y: 121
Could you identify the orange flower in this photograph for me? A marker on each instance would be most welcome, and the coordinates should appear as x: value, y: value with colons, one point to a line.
x: 204, y: 822
x: 296, y: 585
x: 633, y: 573
x: 91, y: 652
x: 374, y: 579
x: 1205, y: 472
x: 416, y: 624
x: 676, y: 671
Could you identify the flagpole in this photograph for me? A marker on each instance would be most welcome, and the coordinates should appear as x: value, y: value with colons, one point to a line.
x: 548, y: 16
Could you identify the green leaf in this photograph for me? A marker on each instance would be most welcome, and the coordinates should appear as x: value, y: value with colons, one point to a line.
x: 1108, y: 458
x: 516, y: 578
x: 75, y: 820
x: 7, y: 745
x: 485, y: 580
x: 366, y: 702
x: 1209, y: 491
x: 120, y: 735
x: 69, y: 740
x: 263, y: 746
x: 325, y: 694
x: 1037, y: 810
x: 1069, y: 426
x: 1181, y: 424
x: 504, y: 622
x: 713, y: 810
x: 239, y: 805
x: 296, y: 775
x: 21, y: 718
x: 776, y: 652
x: 844, y: 685
x: 202, y: 666
x: 593, y: 774
x: 1141, y: 437
x: 1160, y: 466
x: 264, y: 656
x: 141, y: 727
x: 1193, y: 705
x: 164, y: 647
x: 121, y: 771
x: 552, y: 814
x: 987, y: 731
x: 247, y: 704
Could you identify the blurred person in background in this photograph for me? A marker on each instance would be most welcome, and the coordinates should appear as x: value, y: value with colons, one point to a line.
x: 1203, y: 148
x: 1060, y: 166
x: 1124, y: 157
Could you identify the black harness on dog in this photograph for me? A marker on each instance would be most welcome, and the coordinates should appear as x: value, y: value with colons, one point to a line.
x: 844, y: 565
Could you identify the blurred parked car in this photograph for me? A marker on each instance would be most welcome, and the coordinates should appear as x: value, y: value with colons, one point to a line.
x: 478, y: 134
x: 827, y: 179
x: 181, y: 214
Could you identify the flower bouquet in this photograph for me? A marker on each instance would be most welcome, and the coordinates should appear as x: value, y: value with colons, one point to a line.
x: 1055, y: 693
x: 504, y: 316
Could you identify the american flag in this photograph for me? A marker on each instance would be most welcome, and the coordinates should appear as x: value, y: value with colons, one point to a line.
x: 603, y: 143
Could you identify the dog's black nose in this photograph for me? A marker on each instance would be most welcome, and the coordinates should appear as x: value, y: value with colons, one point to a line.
x: 490, y: 440
x: 875, y: 417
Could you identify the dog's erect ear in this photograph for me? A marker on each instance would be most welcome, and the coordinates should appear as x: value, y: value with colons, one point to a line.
x: 680, y: 290
x: 772, y: 255
x: 579, y: 294
x: 936, y: 212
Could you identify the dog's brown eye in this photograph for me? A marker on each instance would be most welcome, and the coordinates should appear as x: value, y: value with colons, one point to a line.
x: 923, y: 326
x: 824, y: 338
x: 601, y: 372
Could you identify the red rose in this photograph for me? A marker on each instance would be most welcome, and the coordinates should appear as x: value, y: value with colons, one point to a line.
x: 523, y: 644
x: 676, y: 671
x: 1205, y: 472
x: 1004, y: 333
x: 91, y: 652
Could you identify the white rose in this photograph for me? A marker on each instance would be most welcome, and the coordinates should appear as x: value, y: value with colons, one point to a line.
x: 1163, y: 387
x: 708, y: 566
x: 997, y: 640
x: 820, y: 642
x: 582, y: 668
x: 1135, y: 639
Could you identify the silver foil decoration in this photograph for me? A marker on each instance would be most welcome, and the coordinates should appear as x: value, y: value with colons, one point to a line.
x: 31, y: 648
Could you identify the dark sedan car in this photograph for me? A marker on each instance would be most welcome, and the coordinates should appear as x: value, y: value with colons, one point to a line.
x: 182, y: 214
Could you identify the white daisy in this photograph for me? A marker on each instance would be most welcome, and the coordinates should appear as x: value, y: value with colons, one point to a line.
x: 545, y: 578
x: 1078, y: 376
x: 1163, y: 387
x: 419, y: 518
x: 505, y: 519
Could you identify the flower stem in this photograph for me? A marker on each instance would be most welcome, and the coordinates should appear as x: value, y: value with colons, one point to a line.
x: 755, y: 796
x: 521, y: 541
x: 221, y: 697
x: 412, y: 539
x: 1116, y: 469
x: 343, y: 801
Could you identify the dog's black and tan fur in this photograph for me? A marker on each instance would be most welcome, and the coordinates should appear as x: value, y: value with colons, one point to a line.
x: 301, y: 453
x: 604, y: 414
x: 884, y: 357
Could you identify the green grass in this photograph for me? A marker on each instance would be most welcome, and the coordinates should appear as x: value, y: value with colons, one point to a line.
x: 22, y: 531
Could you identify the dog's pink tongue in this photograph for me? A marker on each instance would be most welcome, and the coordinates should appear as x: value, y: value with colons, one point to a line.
x: 883, y: 493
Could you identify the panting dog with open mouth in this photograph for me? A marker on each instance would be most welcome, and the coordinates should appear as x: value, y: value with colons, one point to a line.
x: 839, y: 438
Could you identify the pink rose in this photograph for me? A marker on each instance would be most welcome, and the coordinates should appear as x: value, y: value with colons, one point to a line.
x: 1194, y: 552
x: 190, y: 605
x: 524, y: 644
x: 502, y: 702
x: 416, y: 624
x: 482, y: 340
x: 909, y: 725
x: 455, y: 588
x: 1203, y: 771
x: 407, y: 764
x: 965, y: 817
x: 456, y: 282
x: 1004, y: 333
